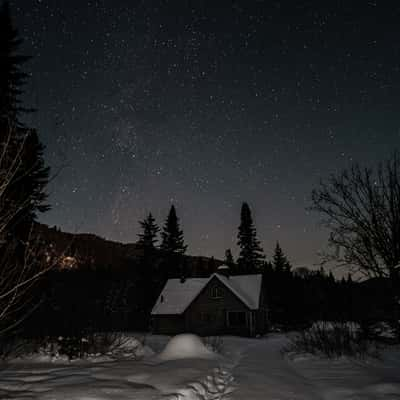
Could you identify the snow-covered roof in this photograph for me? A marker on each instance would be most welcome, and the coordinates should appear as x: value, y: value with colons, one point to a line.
x: 246, y: 287
x: 177, y: 295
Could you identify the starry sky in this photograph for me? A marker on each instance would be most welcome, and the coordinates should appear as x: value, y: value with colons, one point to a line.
x: 205, y: 104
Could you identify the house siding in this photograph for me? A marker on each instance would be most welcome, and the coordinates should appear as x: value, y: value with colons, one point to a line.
x: 168, y: 324
x: 262, y: 315
x: 209, y: 316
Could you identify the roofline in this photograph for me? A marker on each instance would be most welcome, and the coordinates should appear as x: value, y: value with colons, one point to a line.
x: 216, y: 275
x: 229, y: 288
x: 158, y: 298
x: 203, y: 288
x: 165, y: 285
x: 237, y: 294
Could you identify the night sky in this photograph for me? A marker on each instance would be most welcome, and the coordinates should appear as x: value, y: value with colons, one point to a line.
x: 205, y: 104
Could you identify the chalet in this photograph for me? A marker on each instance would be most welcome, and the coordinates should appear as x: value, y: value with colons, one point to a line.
x: 220, y: 304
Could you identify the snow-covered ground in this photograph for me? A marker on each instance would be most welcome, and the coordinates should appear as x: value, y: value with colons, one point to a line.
x: 250, y: 369
x: 264, y: 373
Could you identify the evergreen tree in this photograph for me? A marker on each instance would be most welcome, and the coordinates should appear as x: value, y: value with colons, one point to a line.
x: 149, y: 280
x: 251, y: 255
x: 23, y: 173
x: 31, y: 181
x: 12, y: 77
x: 229, y: 261
x: 280, y: 262
x: 23, y: 178
x: 212, y: 266
x: 172, y: 235
x: 148, y: 237
x: 148, y: 261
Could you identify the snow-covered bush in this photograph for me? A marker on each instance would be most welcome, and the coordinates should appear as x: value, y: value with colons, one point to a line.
x: 13, y: 347
x: 384, y: 332
x: 72, y: 346
x: 106, y: 342
x: 116, y: 344
x: 333, y: 340
x: 105, y: 345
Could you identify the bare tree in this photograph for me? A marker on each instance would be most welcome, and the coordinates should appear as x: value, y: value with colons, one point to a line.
x: 21, y: 264
x: 18, y: 276
x: 361, y: 208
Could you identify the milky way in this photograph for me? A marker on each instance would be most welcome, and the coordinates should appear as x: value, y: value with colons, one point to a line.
x: 205, y: 105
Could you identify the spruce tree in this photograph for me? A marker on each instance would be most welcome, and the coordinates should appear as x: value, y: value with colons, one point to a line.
x: 251, y: 257
x: 148, y: 237
x: 149, y: 280
x: 23, y: 178
x: 229, y: 261
x: 12, y: 76
x: 32, y: 179
x: 23, y: 172
x: 172, y: 235
x: 212, y: 266
x: 280, y: 262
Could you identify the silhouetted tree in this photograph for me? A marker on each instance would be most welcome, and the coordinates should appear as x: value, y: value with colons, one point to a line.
x: 149, y: 280
x: 30, y: 184
x: 172, y: 235
x: 173, y: 248
x: 361, y: 208
x: 280, y: 262
x: 148, y: 237
x: 12, y: 76
x: 229, y: 261
x: 251, y: 255
x: 23, y: 178
x: 22, y: 163
x: 211, y: 266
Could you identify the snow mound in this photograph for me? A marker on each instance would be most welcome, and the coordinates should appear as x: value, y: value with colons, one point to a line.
x: 185, y: 346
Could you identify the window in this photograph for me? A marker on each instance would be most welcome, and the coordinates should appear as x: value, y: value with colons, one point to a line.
x: 216, y: 292
x: 236, y: 318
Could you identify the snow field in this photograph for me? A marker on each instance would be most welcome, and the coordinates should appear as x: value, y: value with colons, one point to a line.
x: 251, y: 369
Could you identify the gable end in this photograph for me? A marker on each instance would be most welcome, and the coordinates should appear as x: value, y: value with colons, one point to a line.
x: 209, y: 287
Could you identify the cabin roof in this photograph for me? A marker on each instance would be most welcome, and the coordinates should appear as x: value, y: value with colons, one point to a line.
x: 176, y: 296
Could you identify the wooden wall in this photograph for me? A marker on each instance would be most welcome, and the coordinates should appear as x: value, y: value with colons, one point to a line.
x: 208, y: 316
x: 168, y: 324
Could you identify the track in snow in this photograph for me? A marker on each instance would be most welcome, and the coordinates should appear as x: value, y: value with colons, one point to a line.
x: 217, y: 386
